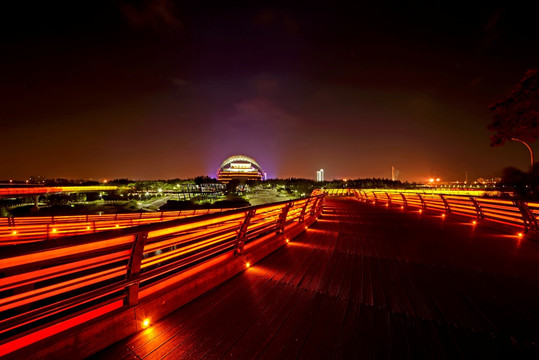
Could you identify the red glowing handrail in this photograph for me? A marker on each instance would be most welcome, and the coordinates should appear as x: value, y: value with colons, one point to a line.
x: 53, y: 282
x: 31, y: 229
x: 508, y: 212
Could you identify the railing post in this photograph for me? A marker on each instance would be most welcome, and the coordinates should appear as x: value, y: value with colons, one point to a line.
x: 282, y: 218
x: 477, y: 208
x: 133, y: 269
x: 404, y: 201
x: 528, y: 218
x: 423, y: 205
x: 242, y: 233
x: 315, y: 206
x: 388, y: 199
x: 446, y: 204
x: 302, y: 215
x: 375, y: 197
x: 364, y: 196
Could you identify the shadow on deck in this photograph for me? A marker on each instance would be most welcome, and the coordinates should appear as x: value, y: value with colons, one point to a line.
x: 364, y: 282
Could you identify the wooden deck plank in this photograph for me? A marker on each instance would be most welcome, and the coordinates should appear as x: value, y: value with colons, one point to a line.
x: 365, y: 282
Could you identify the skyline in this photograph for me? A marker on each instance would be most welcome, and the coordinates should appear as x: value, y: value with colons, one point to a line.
x: 162, y: 90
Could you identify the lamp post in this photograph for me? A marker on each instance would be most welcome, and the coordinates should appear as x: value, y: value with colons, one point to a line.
x: 531, y: 162
x: 529, y: 148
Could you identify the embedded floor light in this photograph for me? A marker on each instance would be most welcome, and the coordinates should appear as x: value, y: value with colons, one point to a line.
x: 145, y: 323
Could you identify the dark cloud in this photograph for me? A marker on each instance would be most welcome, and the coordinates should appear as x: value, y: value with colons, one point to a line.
x: 160, y: 16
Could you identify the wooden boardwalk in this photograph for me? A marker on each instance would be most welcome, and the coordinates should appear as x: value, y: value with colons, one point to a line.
x: 364, y: 282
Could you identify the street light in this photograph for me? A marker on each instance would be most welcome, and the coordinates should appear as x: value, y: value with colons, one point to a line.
x: 529, y: 148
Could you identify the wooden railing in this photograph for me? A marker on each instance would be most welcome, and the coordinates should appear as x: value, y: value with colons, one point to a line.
x: 50, y: 286
x: 16, y: 230
x: 516, y: 213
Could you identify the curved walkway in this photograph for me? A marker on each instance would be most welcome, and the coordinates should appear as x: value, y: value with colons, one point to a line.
x: 364, y: 282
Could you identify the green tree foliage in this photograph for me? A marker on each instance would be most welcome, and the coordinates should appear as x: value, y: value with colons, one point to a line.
x: 517, y: 116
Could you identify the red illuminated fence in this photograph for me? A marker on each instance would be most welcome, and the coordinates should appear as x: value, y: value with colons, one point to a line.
x: 28, y: 229
x: 508, y: 212
x: 41, y: 190
x: 51, y: 286
x: 334, y: 192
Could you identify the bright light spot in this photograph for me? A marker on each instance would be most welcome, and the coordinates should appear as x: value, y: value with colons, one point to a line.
x: 53, y: 230
x: 160, y: 190
x: 431, y: 180
x: 437, y: 179
x: 87, y: 228
x: 402, y: 207
x: 248, y: 264
x: 145, y: 323
x: 474, y: 222
x: 117, y: 225
x: 387, y: 205
x: 519, y: 234
x: 443, y: 215
x: 374, y: 202
x: 105, y: 181
x: 420, y: 211
x: 14, y: 232
x: 287, y: 240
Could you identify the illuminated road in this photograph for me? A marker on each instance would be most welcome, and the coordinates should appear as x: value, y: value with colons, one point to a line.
x: 365, y: 282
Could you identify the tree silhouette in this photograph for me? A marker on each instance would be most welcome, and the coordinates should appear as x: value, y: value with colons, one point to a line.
x: 517, y: 116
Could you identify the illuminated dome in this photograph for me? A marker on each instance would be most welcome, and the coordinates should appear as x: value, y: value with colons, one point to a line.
x: 239, y: 167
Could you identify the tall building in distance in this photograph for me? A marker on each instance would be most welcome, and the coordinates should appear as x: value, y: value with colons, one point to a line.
x: 320, y: 175
x: 394, y: 174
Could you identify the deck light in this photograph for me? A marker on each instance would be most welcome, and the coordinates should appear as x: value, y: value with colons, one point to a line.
x: 474, y: 222
x: 145, y: 323
x: 519, y: 234
x: 248, y: 264
x: 14, y: 232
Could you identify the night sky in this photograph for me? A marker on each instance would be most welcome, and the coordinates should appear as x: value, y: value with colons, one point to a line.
x: 167, y: 89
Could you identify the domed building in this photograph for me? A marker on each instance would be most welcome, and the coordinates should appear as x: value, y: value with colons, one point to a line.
x: 239, y: 167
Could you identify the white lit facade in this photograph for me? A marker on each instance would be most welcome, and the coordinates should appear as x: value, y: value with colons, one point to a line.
x: 320, y: 175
